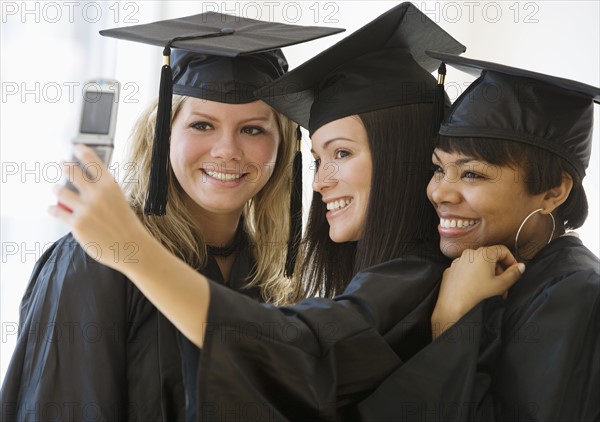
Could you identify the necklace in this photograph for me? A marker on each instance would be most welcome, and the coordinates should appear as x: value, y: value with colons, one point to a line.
x: 227, y: 250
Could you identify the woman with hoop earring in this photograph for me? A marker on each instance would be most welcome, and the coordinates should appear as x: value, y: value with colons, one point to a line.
x: 509, y: 164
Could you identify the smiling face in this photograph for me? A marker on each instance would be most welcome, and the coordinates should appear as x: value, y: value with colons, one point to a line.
x: 223, y: 154
x: 480, y: 204
x: 343, y: 176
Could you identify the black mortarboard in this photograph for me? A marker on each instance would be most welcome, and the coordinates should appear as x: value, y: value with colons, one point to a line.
x: 381, y: 65
x: 215, y: 57
x: 548, y: 112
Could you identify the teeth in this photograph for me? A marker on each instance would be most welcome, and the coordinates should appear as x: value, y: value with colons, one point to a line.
x: 338, y: 205
x: 224, y: 177
x: 454, y: 223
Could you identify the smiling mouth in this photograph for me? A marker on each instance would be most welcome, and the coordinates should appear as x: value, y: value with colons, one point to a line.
x: 338, y: 205
x: 456, y: 223
x: 224, y: 177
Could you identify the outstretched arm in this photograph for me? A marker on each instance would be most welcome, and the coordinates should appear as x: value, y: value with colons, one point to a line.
x: 338, y: 347
x: 100, y: 215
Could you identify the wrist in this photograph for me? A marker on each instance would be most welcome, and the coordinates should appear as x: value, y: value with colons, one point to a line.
x: 136, y: 254
x: 448, y: 314
x: 444, y: 317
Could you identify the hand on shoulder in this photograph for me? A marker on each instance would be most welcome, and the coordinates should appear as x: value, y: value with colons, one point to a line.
x: 474, y: 276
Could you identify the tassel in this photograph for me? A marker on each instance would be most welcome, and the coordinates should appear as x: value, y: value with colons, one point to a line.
x: 439, y: 102
x: 156, y: 202
x: 295, y: 210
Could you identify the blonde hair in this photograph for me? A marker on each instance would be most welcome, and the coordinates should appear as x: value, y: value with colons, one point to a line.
x: 266, y: 216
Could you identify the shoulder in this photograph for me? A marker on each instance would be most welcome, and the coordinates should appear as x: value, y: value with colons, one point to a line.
x: 567, y: 259
x: 564, y: 275
x: 67, y: 256
x: 396, y: 287
x: 411, y: 275
x: 571, y: 247
x: 65, y: 271
x: 421, y: 268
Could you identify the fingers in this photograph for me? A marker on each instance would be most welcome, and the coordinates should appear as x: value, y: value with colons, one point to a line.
x: 86, y: 155
x: 509, y: 277
x: 89, y: 168
x: 497, y: 254
x: 85, y: 170
x: 484, y: 272
x: 67, y: 199
x: 60, y: 213
x: 503, y: 255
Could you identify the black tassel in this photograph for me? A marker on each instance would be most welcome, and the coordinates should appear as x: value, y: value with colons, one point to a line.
x: 156, y: 202
x: 439, y: 101
x: 295, y: 210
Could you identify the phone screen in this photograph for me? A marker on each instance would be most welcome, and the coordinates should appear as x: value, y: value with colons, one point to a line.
x: 96, y: 114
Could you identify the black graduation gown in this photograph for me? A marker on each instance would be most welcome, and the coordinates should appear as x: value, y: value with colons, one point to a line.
x: 238, y: 278
x: 314, y: 360
x: 92, y: 347
x: 538, y: 359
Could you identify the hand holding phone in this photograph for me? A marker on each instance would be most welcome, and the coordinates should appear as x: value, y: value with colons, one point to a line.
x: 98, y: 119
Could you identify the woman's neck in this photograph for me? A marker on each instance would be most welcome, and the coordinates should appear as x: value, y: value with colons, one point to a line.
x: 530, y: 251
x: 218, y: 229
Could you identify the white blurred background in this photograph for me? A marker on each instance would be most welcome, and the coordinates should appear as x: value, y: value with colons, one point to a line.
x: 50, y: 49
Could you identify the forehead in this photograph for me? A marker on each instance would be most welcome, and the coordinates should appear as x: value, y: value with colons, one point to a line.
x: 350, y: 129
x: 255, y: 109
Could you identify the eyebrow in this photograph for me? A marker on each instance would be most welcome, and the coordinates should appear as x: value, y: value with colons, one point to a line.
x: 458, y: 162
x: 326, y: 143
x: 204, y: 115
x: 261, y: 118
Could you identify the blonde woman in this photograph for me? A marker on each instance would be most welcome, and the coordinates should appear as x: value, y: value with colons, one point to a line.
x: 91, y: 345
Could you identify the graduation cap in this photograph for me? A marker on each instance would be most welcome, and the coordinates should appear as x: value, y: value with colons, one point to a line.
x: 548, y: 112
x: 381, y: 65
x: 215, y: 57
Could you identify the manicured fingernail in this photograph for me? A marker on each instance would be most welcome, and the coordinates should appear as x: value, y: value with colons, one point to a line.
x: 521, y: 267
x: 64, y: 207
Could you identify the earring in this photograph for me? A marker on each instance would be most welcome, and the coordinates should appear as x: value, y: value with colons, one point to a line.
x: 523, y: 223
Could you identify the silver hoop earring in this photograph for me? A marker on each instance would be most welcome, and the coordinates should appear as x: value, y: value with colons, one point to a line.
x: 523, y: 223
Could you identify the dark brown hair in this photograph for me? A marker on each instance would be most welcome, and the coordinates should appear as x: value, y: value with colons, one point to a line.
x: 399, y: 219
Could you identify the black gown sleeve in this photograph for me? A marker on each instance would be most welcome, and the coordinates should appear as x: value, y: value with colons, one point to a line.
x: 308, y: 361
x: 448, y: 380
